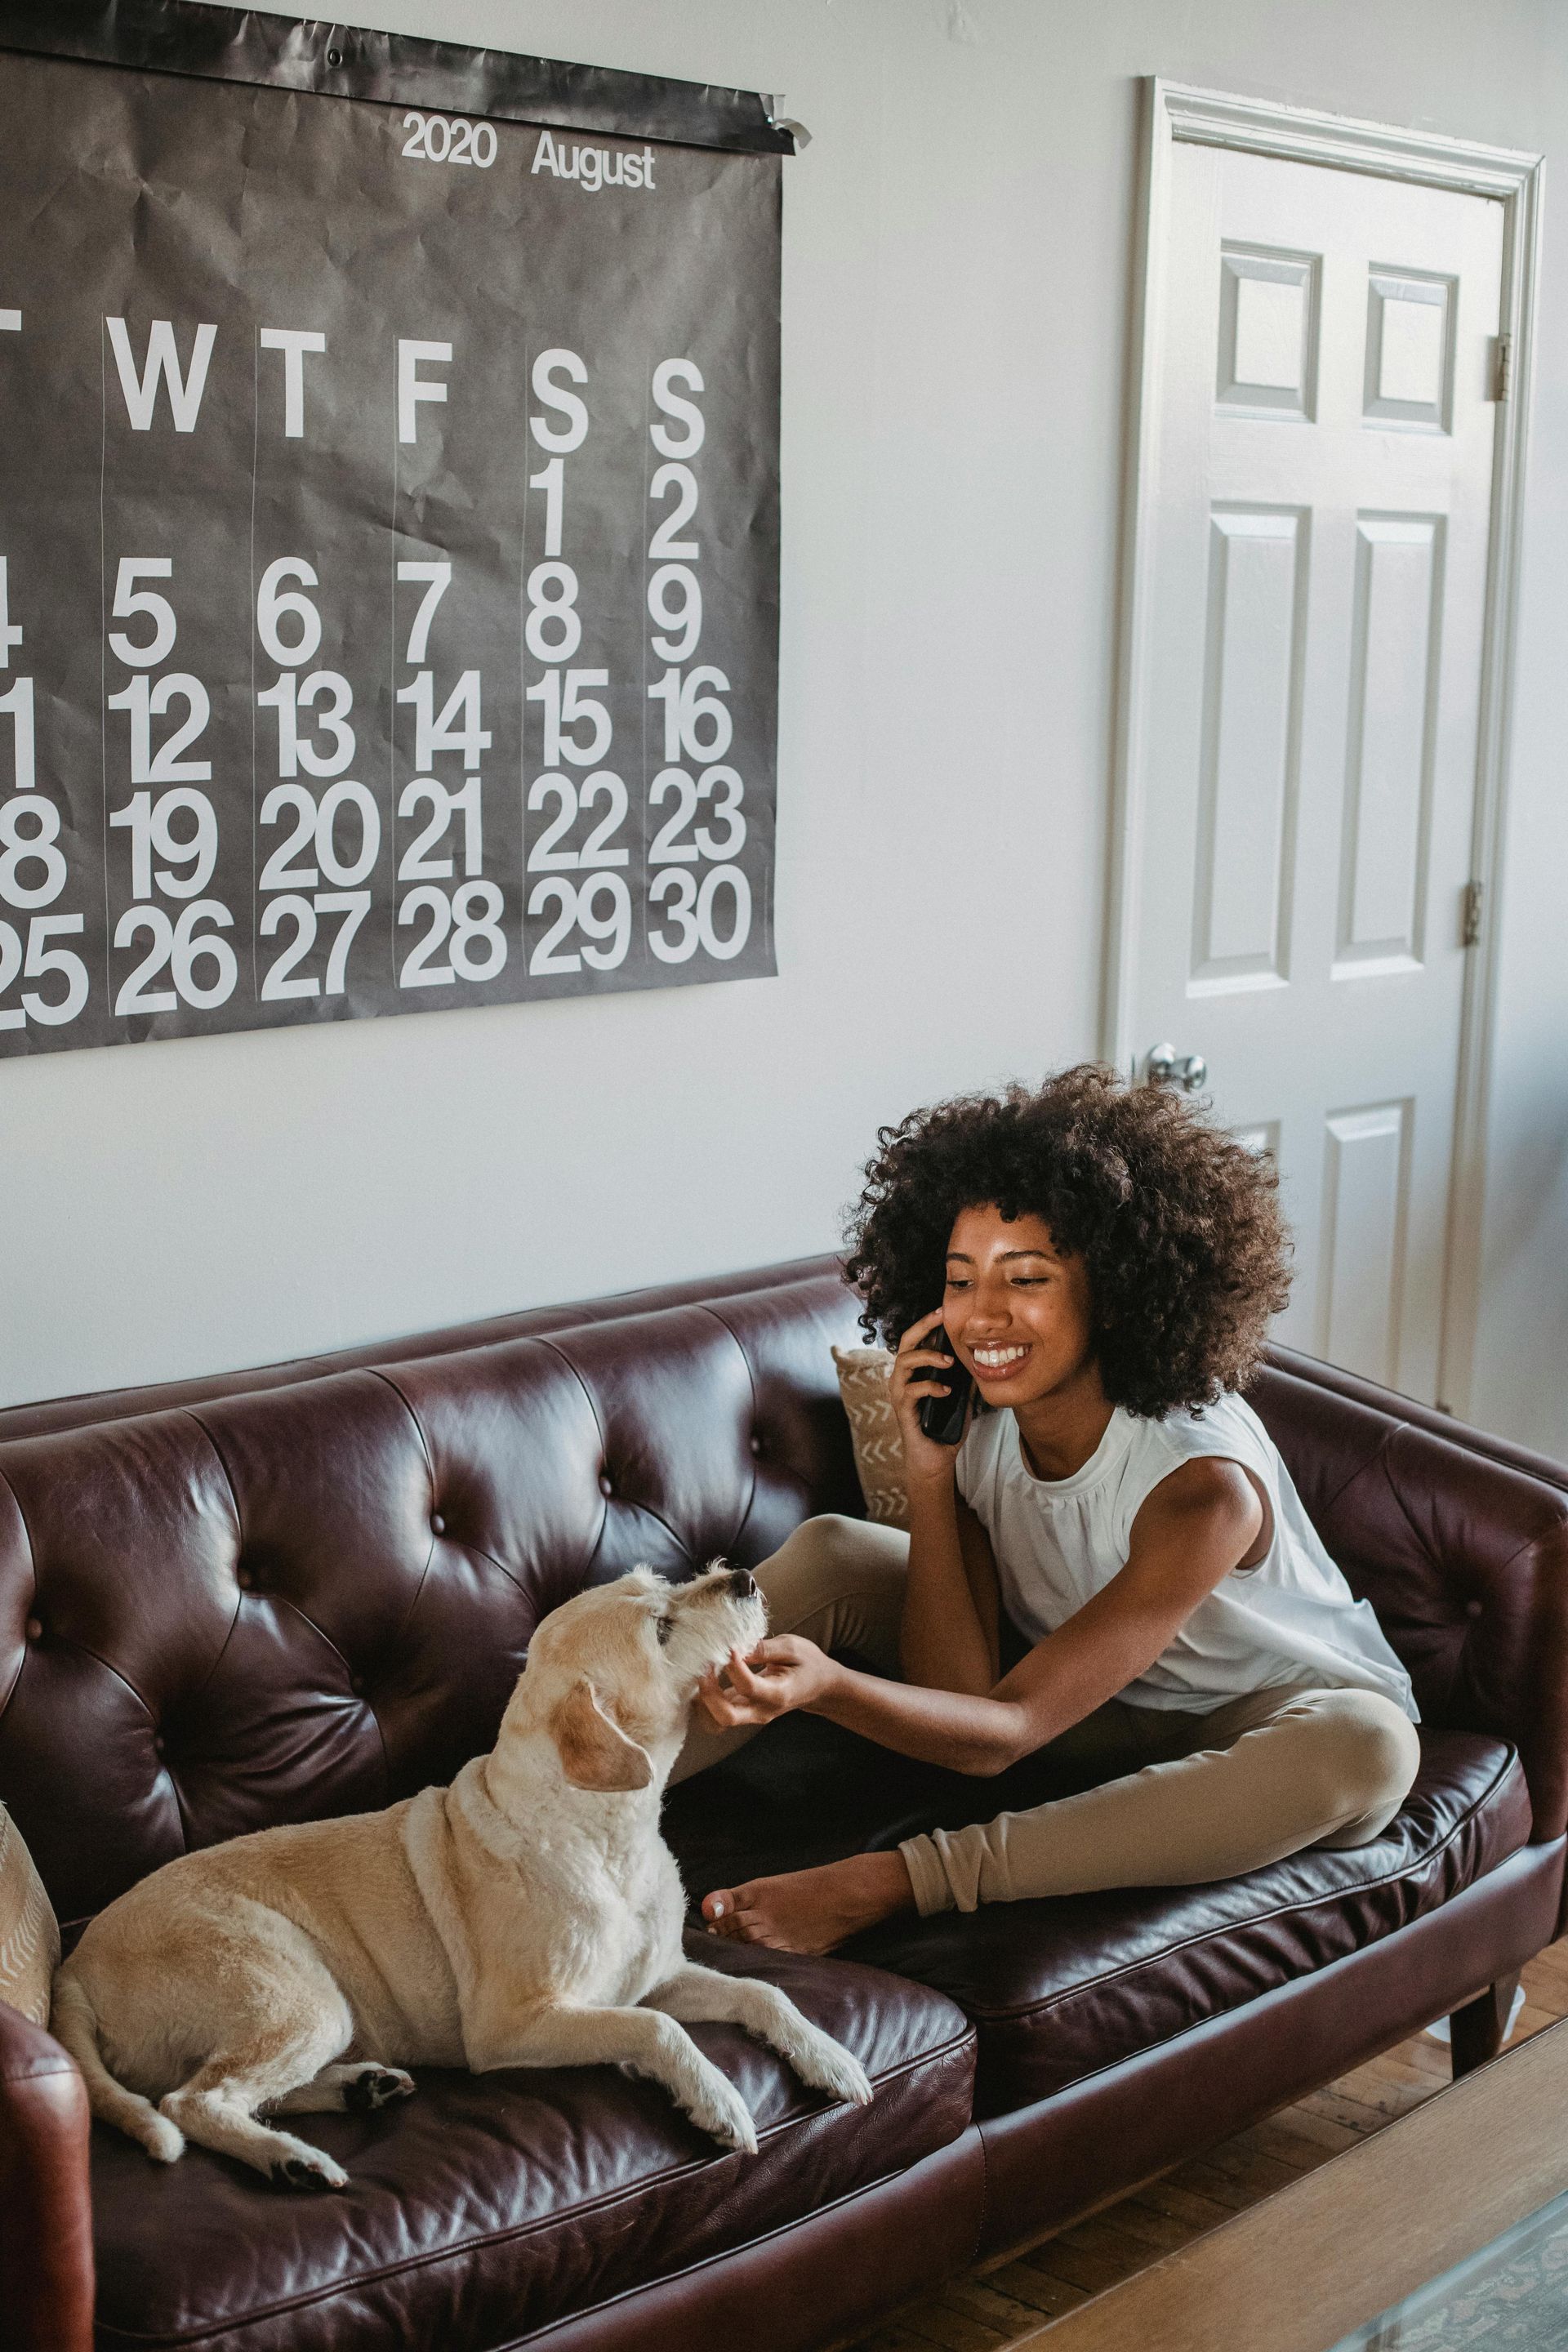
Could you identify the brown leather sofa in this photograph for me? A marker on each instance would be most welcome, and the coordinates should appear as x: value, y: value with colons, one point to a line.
x: 306, y: 1590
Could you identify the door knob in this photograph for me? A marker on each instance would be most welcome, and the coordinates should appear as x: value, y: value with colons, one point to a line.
x: 1187, y: 1071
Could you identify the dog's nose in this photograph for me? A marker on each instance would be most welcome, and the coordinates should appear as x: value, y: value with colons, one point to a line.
x: 742, y: 1584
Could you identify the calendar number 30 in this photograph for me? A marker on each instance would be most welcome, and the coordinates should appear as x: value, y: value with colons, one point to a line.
x: 432, y: 138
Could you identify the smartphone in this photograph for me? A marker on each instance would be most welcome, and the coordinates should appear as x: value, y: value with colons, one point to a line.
x: 941, y: 1417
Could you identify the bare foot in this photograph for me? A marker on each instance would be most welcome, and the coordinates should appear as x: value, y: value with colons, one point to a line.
x: 812, y: 1910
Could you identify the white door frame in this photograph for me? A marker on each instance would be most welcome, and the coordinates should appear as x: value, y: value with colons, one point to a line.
x: 1210, y: 118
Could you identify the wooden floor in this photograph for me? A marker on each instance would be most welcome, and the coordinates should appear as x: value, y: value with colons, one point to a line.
x: 980, y: 2313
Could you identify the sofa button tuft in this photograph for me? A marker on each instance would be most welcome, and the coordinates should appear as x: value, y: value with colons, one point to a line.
x: 1475, y: 1608
x: 356, y: 1684
x: 35, y: 1628
x: 438, y: 1523
x: 158, y: 1744
x: 756, y: 1444
x: 606, y: 1483
x: 243, y: 1579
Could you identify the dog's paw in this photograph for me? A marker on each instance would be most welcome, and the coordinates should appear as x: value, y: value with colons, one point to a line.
x: 827, y: 2065
x: 161, y: 2139
x: 311, y: 2171
x: 377, y: 2087
x: 718, y: 2108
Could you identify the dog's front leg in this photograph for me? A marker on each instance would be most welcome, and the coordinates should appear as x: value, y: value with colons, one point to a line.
x: 640, y: 2040
x: 703, y: 1996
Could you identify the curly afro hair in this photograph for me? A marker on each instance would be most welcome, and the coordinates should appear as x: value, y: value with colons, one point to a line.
x: 1179, y: 1226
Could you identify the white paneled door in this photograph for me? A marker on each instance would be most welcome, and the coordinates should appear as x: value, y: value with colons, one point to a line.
x: 1316, y: 614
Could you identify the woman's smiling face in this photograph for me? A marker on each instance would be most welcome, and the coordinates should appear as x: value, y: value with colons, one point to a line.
x: 1015, y: 1309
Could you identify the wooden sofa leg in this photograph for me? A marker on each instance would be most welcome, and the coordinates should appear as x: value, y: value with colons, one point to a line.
x: 1476, y: 2031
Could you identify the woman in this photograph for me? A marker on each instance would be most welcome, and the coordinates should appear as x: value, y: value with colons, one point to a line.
x: 1104, y: 1266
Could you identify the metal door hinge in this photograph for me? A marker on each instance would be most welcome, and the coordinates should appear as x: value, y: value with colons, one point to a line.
x: 1167, y: 1068
x: 1470, y: 935
x: 1502, y: 367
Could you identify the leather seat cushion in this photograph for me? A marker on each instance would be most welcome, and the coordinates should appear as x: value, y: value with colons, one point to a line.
x: 1061, y: 1988
x: 488, y: 2206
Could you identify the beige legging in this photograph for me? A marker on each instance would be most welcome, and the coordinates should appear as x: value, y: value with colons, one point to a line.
x: 1187, y: 1799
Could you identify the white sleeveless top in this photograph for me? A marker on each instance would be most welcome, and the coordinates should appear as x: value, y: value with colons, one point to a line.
x: 1291, y: 1620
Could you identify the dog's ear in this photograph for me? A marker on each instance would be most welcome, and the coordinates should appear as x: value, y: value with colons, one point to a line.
x: 594, y: 1751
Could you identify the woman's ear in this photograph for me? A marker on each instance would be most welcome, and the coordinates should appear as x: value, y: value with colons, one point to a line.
x: 596, y: 1753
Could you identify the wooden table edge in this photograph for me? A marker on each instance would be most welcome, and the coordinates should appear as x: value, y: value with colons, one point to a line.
x: 1320, y: 2258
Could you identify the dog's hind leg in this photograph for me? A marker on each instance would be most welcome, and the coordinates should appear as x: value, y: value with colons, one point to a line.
x: 216, y: 2108
x: 701, y: 1996
x: 284, y: 2021
x: 362, y: 2085
x: 76, y: 2027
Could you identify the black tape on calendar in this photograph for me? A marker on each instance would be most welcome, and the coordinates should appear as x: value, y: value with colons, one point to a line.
x: 388, y: 529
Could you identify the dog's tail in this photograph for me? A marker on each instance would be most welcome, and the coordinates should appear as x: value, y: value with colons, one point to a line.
x: 74, y: 2026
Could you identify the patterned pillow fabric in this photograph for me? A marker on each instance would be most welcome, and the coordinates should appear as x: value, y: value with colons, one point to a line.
x: 878, y: 1448
x: 29, y: 1936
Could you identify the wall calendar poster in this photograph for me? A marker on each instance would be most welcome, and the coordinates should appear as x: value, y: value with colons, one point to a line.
x: 388, y: 525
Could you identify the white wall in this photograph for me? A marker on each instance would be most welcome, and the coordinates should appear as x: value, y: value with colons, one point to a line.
x: 957, y: 243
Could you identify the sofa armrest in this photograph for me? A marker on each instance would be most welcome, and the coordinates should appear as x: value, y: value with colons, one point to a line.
x: 46, y: 2210
x: 1463, y: 1556
x: 1436, y: 1423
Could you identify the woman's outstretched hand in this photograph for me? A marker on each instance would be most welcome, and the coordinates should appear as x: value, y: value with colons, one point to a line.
x: 920, y: 1370
x: 779, y: 1676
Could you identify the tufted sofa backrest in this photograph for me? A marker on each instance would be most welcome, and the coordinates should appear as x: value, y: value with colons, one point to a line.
x: 317, y: 1599
x: 314, y: 1597
x: 1464, y: 1558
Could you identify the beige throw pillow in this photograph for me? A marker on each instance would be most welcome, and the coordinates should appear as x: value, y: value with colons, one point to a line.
x: 878, y: 1448
x: 29, y: 1936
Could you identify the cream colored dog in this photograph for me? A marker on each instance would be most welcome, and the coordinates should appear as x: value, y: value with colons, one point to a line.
x: 528, y: 1916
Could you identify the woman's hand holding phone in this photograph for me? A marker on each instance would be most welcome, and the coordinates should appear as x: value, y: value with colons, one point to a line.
x: 926, y: 1367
